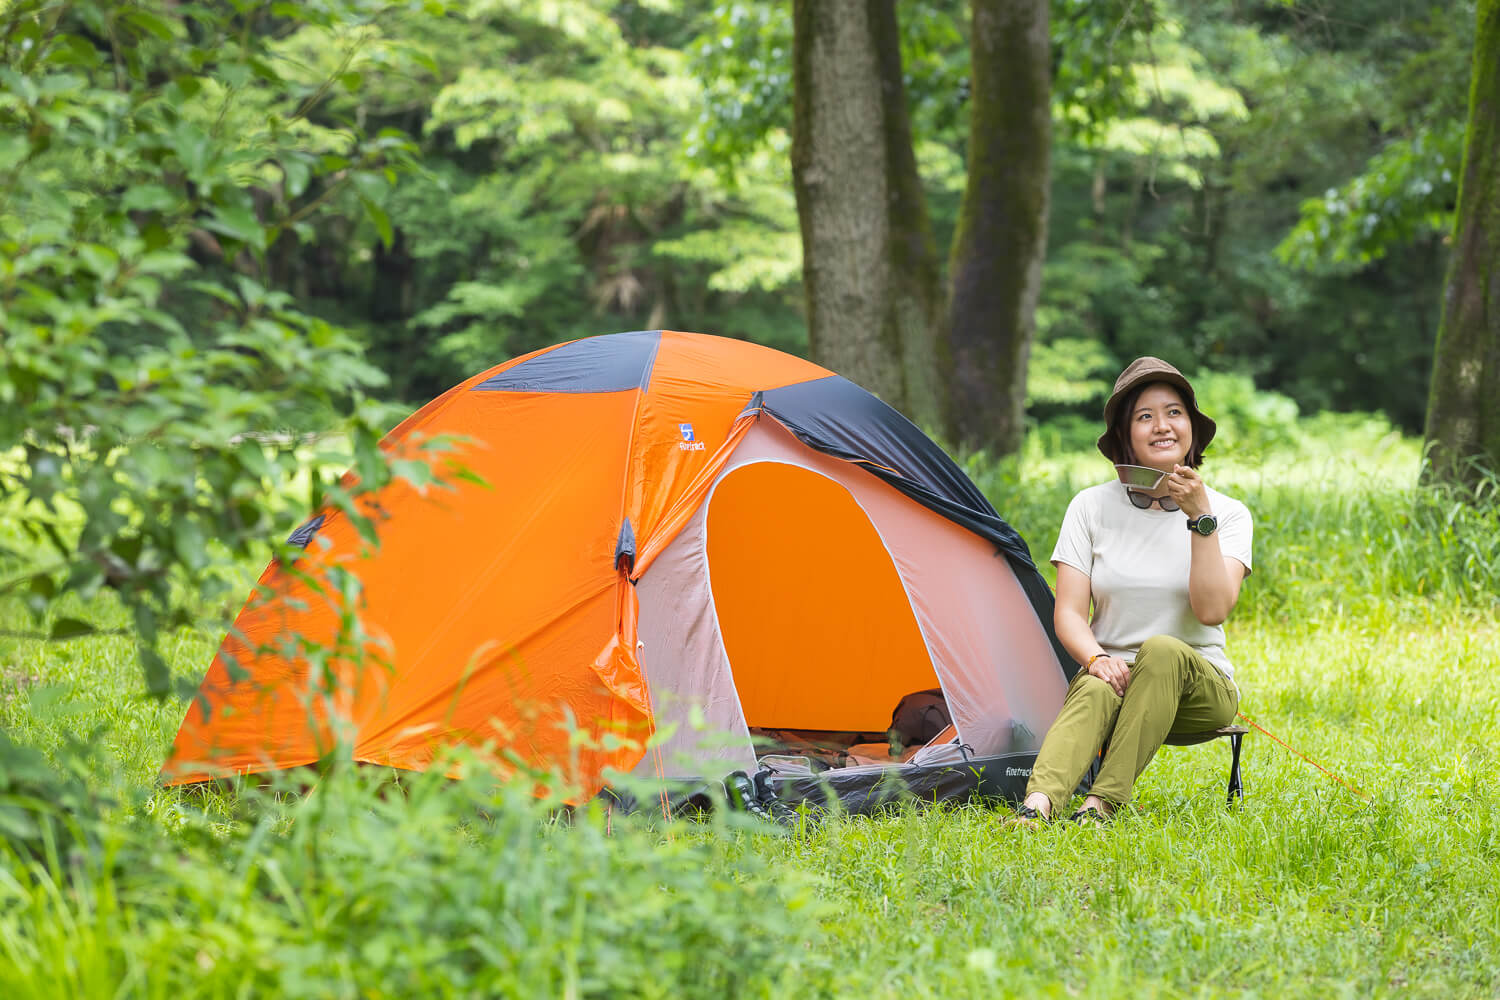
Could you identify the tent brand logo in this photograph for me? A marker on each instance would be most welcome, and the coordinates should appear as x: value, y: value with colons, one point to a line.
x: 688, y: 442
x: 1018, y: 772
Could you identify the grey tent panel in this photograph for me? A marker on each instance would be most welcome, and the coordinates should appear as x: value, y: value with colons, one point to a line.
x: 610, y: 363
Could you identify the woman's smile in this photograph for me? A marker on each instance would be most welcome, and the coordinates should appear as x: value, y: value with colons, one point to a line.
x: 1161, y: 432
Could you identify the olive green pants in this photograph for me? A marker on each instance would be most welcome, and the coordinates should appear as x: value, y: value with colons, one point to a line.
x: 1172, y: 689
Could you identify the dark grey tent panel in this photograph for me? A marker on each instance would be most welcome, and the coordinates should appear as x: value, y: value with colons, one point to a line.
x: 610, y: 363
x: 304, y: 534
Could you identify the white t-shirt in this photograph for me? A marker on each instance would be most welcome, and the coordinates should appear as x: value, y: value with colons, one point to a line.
x: 1137, y: 564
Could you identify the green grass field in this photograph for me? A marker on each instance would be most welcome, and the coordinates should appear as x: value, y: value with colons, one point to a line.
x: 1368, y: 638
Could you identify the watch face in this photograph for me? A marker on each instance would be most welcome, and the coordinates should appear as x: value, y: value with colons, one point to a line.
x: 1206, y: 524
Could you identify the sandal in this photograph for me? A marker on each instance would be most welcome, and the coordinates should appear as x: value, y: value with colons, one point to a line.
x: 1089, y: 816
x: 1026, y: 818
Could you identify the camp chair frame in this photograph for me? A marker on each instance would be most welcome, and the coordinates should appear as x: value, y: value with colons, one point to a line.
x: 1235, y: 735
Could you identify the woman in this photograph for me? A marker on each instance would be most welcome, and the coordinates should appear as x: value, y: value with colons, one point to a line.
x: 1162, y: 569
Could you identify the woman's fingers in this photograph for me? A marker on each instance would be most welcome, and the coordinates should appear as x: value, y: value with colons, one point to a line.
x: 1119, y: 675
x: 1113, y: 671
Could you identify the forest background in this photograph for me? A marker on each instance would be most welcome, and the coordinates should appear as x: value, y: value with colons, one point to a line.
x: 239, y: 240
x: 1258, y: 189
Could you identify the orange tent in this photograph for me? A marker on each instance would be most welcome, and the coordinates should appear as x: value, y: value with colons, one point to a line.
x: 680, y: 543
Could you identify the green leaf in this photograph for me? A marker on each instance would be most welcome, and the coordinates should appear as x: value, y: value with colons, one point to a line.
x: 238, y: 222
x: 41, y: 591
x: 188, y: 86
x: 265, y: 70
x: 14, y: 148
x: 147, y: 21
x: 252, y: 457
x: 101, y: 260
x: 150, y: 198
x: 381, y: 220
x: 187, y: 541
x: 71, y: 628
x: 158, y: 674
x: 145, y: 623
x: 297, y: 173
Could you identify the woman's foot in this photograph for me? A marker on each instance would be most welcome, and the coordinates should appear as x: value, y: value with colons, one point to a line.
x: 1088, y: 816
x: 1097, y: 804
x: 1031, y: 814
x: 1094, y: 812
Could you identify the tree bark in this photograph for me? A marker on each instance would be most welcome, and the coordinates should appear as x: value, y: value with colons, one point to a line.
x: 918, y: 300
x: 1463, y: 406
x: 998, y: 250
x: 839, y: 175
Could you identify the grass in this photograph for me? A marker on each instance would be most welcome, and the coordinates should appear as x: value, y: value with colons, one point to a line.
x: 1367, y: 638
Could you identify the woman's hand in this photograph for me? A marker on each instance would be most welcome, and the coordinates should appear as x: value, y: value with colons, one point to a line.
x: 1186, y: 487
x: 1213, y: 580
x: 1113, y: 671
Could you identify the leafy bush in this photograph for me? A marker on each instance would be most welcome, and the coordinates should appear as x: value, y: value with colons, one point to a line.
x: 1248, y: 419
x: 45, y: 812
x: 379, y: 885
x: 153, y: 382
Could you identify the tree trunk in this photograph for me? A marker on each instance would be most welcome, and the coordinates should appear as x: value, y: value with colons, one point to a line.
x: 1463, y: 407
x: 917, y: 304
x: 839, y: 175
x: 1001, y: 241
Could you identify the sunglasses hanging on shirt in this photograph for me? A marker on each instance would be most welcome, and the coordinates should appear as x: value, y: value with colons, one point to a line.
x: 1145, y: 500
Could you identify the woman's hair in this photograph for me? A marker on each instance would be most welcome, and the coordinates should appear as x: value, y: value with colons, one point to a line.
x: 1119, y: 432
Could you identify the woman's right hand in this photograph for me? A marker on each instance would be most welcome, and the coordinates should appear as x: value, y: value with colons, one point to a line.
x: 1114, y: 671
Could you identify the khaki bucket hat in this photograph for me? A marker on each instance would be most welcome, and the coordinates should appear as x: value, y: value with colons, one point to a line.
x: 1141, y: 372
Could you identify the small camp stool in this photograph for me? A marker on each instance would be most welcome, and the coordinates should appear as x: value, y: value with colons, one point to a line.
x: 1235, y: 734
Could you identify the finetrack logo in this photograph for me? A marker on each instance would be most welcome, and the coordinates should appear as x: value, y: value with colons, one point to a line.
x: 689, y: 440
x: 1018, y: 772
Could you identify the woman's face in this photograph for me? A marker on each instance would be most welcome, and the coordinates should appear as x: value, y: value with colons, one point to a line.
x: 1161, y: 432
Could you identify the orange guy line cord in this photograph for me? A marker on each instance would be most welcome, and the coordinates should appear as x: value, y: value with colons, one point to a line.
x: 1340, y: 779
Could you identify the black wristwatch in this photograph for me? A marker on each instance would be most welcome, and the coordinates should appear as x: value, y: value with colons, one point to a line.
x: 1203, y: 524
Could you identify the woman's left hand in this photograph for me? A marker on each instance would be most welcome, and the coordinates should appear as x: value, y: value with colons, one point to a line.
x: 1186, y: 487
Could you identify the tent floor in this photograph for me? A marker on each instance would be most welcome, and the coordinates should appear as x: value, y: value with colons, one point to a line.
x: 858, y: 790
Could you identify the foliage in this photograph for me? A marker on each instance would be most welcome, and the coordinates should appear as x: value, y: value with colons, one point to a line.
x: 1167, y: 119
x: 1100, y: 52
x: 593, y: 165
x: 491, y: 897
x: 1168, y: 247
x: 153, y: 378
x: 45, y: 814
x: 1407, y: 189
x: 1407, y: 192
x: 556, y: 202
x: 744, y: 58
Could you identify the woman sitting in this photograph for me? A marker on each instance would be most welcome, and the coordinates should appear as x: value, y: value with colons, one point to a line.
x: 1162, y: 567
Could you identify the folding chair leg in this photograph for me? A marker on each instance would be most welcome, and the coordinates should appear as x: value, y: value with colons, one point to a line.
x: 1236, y: 790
